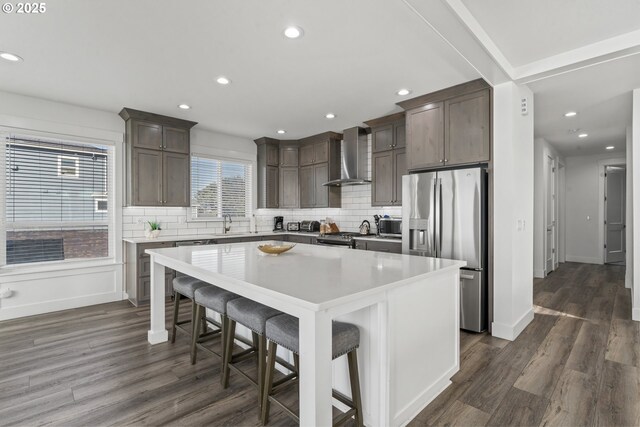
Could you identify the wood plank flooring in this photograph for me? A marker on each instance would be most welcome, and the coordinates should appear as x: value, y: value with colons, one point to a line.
x: 577, y: 363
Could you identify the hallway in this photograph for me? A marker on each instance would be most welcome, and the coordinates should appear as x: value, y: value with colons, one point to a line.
x: 577, y: 363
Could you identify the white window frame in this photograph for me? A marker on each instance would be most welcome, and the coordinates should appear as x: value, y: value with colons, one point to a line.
x: 112, y: 222
x: 250, y: 186
x: 97, y: 204
x: 77, y: 167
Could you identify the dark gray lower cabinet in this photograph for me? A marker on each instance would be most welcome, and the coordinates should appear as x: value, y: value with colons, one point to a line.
x: 295, y: 238
x: 394, y: 247
x: 138, y: 272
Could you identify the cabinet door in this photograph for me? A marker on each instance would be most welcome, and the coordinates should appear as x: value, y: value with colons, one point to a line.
x: 176, y: 179
x: 146, y: 179
x: 382, y: 138
x: 379, y: 246
x: 273, y: 155
x: 321, y: 152
x: 289, y: 188
x: 467, y: 128
x: 382, y: 178
x: 307, y: 187
x: 146, y: 135
x: 399, y: 169
x: 175, y: 139
x: 272, y: 187
x: 400, y: 134
x: 288, y: 156
x: 320, y: 176
x: 425, y: 139
x: 295, y: 238
x: 306, y: 154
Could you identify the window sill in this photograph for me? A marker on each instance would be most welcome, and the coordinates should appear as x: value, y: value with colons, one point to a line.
x: 19, y: 269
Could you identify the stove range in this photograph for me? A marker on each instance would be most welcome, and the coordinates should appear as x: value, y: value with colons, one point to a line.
x: 343, y: 238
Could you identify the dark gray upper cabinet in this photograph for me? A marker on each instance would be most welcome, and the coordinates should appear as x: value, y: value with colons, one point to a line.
x: 388, y: 160
x: 176, y: 185
x: 158, y: 166
x: 466, y: 128
x: 319, y: 163
x: 289, y: 156
x: 289, y: 188
x: 449, y: 127
x: 268, y: 174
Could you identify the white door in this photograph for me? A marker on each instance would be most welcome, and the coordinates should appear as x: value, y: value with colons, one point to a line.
x: 550, y: 246
x: 614, y: 214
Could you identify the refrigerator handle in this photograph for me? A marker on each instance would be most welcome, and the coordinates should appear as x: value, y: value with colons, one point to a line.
x: 440, y: 218
x: 437, y: 212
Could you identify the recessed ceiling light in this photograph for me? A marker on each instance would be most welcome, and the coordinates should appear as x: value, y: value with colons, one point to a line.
x: 610, y: 147
x: 281, y: 131
x: 570, y: 114
x: 583, y: 135
x: 403, y: 92
x: 184, y: 106
x: 330, y: 116
x: 223, y: 80
x: 10, y: 57
x: 293, y: 32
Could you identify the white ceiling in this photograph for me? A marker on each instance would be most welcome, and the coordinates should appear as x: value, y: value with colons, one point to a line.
x: 575, y: 55
x: 601, y: 94
x: 155, y: 54
x: 530, y: 30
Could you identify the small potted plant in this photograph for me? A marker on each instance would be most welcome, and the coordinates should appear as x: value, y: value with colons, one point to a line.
x: 154, y: 229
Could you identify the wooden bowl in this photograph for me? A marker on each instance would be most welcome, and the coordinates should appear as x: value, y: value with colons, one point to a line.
x: 274, y: 249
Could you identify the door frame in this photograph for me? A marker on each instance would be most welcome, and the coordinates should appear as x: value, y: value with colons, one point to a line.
x: 561, y: 247
x: 601, y: 214
x: 552, y: 162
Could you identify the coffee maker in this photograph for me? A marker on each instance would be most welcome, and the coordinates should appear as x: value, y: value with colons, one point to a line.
x: 278, y: 223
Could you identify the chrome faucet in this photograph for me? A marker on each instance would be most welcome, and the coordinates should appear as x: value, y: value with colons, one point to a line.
x: 224, y: 223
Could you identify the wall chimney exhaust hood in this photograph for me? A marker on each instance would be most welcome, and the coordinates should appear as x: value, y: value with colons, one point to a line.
x: 353, y: 159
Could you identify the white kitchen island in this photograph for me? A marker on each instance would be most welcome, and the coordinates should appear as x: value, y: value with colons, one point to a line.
x: 407, y: 309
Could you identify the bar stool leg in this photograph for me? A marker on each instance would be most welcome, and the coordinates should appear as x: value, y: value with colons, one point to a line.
x: 354, y: 378
x: 296, y: 362
x: 231, y: 332
x: 193, y: 312
x: 203, y: 320
x: 194, y: 333
x: 262, y: 344
x: 176, y: 309
x: 268, y: 381
x: 224, y: 326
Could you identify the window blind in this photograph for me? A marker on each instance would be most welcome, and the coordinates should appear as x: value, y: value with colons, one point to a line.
x: 220, y: 187
x: 57, y: 200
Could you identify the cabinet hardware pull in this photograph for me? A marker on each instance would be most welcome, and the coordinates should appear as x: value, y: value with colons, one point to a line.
x: 390, y: 145
x: 160, y: 146
x: 445, y: 160
x: 441, y: 160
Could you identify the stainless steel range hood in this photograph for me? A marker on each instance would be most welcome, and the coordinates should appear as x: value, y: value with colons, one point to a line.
x: 353, y: 159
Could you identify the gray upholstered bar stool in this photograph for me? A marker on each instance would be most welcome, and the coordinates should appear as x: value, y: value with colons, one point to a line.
x: 185, y: 286
x: 216, y: 299
x: 254, y: 316
x: 283, y: 330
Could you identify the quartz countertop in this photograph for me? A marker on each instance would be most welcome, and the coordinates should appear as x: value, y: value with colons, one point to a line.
x: 337, y: 272
x: 183, y: 238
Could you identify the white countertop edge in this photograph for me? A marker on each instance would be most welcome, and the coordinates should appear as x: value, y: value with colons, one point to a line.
x: 163, y: 239
x: 206, y: 275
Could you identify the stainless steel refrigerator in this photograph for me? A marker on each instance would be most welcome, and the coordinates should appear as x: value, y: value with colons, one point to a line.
x: 444, y: 216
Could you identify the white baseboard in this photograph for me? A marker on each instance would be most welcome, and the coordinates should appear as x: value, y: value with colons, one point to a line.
x: 410, y: 411
x: 511, y: 332
x: 583, y: 259
x: 635, y: 314
x: 538, y: 274
x: 63, y: 304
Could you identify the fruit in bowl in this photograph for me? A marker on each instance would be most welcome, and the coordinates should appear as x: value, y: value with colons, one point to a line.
x: 274, y: 249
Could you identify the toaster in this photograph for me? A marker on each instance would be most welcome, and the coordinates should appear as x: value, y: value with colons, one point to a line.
x: 293, y: 226
x: 309, y: 226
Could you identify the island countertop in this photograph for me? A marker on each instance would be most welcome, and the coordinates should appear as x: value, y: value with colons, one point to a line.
x: 316, y: 277
x: 406, y: 307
